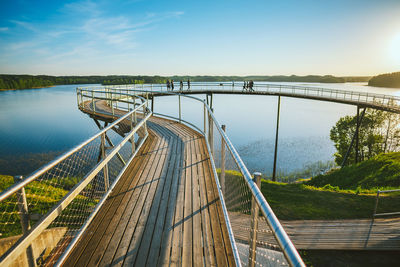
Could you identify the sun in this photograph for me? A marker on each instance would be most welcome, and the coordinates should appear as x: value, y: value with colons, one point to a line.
x: 394, y: 50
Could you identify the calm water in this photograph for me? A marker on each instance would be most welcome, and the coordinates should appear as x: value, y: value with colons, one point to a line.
x: 38, y: 124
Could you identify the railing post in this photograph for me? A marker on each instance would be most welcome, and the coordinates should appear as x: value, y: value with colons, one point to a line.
x: 254, y: 223
x: 222, y: 180
x: 133, y: 136
x: 376, y: 204
x: 103, y: 156
x: 205, y: 120
x: 210, y: 132
x: 112, y: 103
x: 24, y: 217
x: 144, y: 115
x: 77, y: 96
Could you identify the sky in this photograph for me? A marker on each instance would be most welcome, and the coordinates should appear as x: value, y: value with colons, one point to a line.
x: 134, y: 37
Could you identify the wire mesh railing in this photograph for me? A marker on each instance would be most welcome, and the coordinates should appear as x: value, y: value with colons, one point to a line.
x: 257, y: 237
x: 44, y: 214
x: 378, y: 101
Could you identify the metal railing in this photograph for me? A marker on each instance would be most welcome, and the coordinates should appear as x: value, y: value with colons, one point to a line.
x: 375, y: 214
x: 378, y: 101
x: 239, y: 194
x: 64, y: 196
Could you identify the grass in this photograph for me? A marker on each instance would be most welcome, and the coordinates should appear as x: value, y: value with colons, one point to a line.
x: 380, y: 172
x: 305, y: 202
x: 41, y: 197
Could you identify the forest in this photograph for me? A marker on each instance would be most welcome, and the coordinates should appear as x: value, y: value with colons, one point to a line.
x: 11, y: 81
x: 391, y: 80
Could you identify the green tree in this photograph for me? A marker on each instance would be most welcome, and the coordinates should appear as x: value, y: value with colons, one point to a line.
x: 378, y: 133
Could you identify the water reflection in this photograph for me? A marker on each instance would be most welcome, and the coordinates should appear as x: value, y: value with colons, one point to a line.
x: 38, y: 124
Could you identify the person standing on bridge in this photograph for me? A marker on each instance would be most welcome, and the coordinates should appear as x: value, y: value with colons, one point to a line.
x: 168, y: 85
x: 181, y: 86
x: 172, y: 85
x: 251, y: 83
x: 188, y: 83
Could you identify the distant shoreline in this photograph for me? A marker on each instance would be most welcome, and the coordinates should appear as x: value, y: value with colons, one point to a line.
x: 38, y: 87
x: 19, y: 82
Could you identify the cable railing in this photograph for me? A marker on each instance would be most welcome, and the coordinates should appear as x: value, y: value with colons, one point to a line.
x: 256, y: 235
x: 43, y: 215
x: 378, y: 101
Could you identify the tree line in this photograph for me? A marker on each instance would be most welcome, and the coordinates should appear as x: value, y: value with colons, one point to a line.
x: 391, y: 80
x: 10, y: 81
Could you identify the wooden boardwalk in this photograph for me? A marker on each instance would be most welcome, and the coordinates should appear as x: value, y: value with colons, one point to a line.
x: 165, y: 209
x: 365, y: 234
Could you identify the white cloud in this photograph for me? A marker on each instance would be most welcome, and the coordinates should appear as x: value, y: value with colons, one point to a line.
x: 3, y: 29
x: 25, y: 24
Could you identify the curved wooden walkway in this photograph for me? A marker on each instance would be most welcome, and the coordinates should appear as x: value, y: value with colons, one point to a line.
x: 165, y: 210
x: 357, y: 234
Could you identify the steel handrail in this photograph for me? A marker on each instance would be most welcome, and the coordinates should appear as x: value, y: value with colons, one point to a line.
x: 279, y: 233
x: 238, y: 87
x: 14, y: 188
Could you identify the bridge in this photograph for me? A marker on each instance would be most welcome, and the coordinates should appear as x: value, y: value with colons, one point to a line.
x: 154, y: 189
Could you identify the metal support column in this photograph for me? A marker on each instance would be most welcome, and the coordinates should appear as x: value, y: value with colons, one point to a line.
x: 352, y: 140
x: 357, y: 133
x: 276, y: 138
x: 254, y: 223
x: 152, y: 104
x: 94, y: 106
x: 105, y: 168
x: 24, y: 217
x: 222, y: 176
x: 180, y: 110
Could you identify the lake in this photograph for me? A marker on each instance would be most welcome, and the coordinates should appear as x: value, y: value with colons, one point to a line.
x: 39, y: 124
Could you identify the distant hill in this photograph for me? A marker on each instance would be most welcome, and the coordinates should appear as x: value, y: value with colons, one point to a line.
x: 386, y: 80
x: 10, y: 81
x: 380, y: 171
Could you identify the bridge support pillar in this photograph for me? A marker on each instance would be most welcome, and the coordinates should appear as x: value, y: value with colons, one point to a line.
x: 254, y: 223
x: 355, y: 136
x: 180, y: 109
x: 24, y: 217
x: 276, y: 139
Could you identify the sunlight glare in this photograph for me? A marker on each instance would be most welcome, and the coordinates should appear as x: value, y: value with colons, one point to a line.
x: 394, y: 50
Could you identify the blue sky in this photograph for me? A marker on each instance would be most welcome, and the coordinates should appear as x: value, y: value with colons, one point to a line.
x: 357, y: 37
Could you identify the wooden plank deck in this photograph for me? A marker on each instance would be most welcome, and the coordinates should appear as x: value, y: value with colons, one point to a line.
x: 361, y: 234
x: 165, y: 209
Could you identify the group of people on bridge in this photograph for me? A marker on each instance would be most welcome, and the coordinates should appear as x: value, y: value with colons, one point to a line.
x: 248, y: 86
x: 170, y: 85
